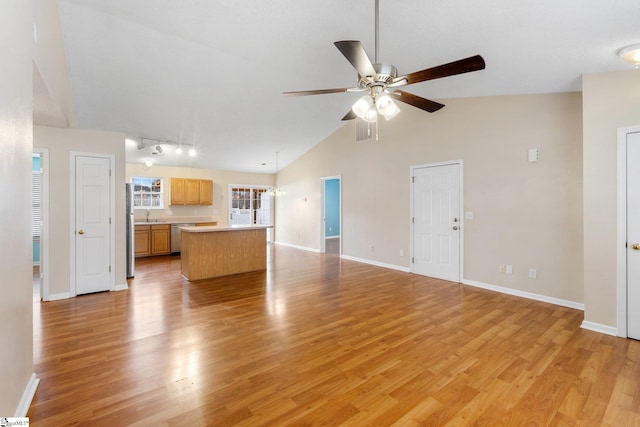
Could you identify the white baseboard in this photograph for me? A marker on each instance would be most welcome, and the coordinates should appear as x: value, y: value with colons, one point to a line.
x: 597, y: 327
x: 523, y: 294
x: 376, y: 263
x: 27, y: 397
x: 122, y: 287
x: 304, y: 248
x: 55, y: 297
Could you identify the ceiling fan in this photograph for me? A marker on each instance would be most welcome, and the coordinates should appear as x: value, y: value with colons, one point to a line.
x: 380, y: 81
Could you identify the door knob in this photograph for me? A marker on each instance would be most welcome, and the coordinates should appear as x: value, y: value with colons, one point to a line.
x: 455, y: 227
x: 80, y: 231
x: 636, y: 246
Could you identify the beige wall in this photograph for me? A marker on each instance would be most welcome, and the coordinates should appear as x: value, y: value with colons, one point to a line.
x: 610, y: 101
x: 219, y: 211
x: 16, y: 358
x: 528, y: 215
x: 54, y: 101
x: 60, y: 143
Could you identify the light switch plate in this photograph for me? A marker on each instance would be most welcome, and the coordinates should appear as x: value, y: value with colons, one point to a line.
x: 533, y: 155
x: 468, y: 215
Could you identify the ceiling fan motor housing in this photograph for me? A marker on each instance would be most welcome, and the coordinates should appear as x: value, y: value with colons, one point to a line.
x: 385, y: 74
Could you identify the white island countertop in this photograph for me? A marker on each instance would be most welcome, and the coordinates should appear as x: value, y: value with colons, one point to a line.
x: 213, y: 228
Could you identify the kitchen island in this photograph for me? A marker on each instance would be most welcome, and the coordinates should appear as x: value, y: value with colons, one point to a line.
x: 220, y: 251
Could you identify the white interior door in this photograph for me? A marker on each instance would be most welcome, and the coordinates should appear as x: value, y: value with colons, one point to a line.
x: 633, y: 235
x: 436, y: 221
x: 92, y: 228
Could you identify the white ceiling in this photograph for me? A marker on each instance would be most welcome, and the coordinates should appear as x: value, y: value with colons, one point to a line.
x: 211, y: 72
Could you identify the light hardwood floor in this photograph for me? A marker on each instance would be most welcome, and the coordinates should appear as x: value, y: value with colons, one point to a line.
x: 316, y: 340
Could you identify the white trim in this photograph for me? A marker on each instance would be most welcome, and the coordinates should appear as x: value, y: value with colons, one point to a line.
x: 44, y: 233
x: 72, y: 217
x: 621, y: 230
x: 323, y: 212
x: 412, y: 169
x: 524, y: 294
x: 122, y: 287
x: 56, y: 297
x: 27, y: 397
x: 597, y: 327
x: 376, y: 263
x: 304, y: 248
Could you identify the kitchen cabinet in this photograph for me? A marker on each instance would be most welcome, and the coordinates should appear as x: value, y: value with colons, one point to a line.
x: 206, y: 192
x: 142, y: 240
x: 177, y: 191
x: 152, y: 240
x: 187, y: 191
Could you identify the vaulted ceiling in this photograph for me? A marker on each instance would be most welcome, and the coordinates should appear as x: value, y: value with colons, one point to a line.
x: 211, y: 73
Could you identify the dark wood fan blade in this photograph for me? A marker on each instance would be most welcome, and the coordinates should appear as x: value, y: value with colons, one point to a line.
x: 350, y: 115
x: 473, y: 63
x: 355, y: 54
x: 317, y: 92
x: 416, y: 101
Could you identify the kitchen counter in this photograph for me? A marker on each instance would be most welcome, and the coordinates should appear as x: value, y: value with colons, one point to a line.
x: 209, y: 252
x: 209, y: 229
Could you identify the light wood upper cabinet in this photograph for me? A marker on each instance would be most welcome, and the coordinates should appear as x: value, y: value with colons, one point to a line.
x: 192, y: 191
x: 178, y: 196
x: 186, y: 191
x: 206, y: 192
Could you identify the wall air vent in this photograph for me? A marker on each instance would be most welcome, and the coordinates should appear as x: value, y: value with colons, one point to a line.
x: 365, y: 131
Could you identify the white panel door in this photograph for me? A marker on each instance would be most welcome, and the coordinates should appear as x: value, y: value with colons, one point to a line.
x: 633, y: 235
x: 436, y: 221
x: 92, y: 231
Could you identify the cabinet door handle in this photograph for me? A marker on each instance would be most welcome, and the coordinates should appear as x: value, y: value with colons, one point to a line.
x: 80, y: 231
x: 636, y: 246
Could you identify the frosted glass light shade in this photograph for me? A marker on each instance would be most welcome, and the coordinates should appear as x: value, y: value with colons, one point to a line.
x: 363, y: 106
x: 387, y: 107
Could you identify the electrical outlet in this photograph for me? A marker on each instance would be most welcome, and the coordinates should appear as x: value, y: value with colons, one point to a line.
x: 533, y: 273
x: 401, y: 252
x: 509, y: 269
x: 502, y: 268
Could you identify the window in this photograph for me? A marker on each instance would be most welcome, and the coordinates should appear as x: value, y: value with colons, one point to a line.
x: 147, y: 192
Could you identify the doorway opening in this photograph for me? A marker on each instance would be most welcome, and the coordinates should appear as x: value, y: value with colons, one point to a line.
x: 40, y: 223
x: 330, y: 239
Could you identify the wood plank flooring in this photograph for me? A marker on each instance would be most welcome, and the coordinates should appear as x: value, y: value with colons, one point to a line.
x: 316, y: 340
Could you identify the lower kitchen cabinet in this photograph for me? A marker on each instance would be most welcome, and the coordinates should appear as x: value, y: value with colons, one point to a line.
x: 152, y: 240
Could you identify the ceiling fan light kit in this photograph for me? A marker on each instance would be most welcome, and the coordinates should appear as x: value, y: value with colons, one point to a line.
x: 631, y: 54
x: 381, y: 81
